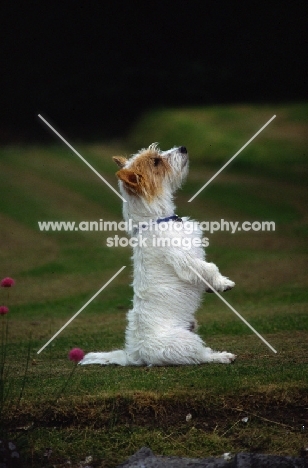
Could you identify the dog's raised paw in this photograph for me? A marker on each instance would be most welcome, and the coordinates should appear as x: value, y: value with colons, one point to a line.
x: 228, y: 284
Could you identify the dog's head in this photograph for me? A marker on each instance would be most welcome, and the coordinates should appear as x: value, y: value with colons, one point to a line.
x: 152, y: 173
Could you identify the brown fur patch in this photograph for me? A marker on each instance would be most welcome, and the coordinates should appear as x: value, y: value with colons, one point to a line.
x: 145, y: 175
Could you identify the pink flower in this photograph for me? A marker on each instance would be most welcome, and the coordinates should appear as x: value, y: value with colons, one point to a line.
x: 76, y: 354
x: 3, y: 310
x: 7, y: 282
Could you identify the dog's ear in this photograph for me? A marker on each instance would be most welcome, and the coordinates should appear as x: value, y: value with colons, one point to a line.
x: 130, y: 178
x: 120, y: 160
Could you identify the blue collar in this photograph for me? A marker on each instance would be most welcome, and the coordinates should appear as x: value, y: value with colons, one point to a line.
x: 158, y: 221
x: 169, y: 218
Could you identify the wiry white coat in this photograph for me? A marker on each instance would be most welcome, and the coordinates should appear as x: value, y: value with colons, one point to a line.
x: 161, y: 325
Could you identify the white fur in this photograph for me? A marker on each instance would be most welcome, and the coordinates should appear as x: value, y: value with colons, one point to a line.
x: 167, y: 293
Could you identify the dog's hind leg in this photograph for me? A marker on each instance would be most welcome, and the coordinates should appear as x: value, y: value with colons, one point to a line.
x: 118, y: 357
x: 216, y: 356
x: 181, y: 348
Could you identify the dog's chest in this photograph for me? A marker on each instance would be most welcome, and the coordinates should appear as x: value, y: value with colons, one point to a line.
x: 155, y: 243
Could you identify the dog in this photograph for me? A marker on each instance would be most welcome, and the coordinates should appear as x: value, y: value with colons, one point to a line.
x: 161, y: 328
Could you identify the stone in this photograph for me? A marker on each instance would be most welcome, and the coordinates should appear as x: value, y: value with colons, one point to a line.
x: 145, y: 458
x: 255, y: 460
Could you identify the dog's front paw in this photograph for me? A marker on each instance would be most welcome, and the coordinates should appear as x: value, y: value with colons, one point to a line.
x: 224, y: 285
x: 228, y: 284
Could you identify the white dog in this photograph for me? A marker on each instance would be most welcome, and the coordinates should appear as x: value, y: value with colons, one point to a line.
x: 161, y: 326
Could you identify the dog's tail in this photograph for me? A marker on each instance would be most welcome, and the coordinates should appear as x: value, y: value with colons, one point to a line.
x: 118, y: 357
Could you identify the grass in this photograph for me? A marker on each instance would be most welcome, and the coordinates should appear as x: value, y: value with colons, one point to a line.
x: 111, y: 412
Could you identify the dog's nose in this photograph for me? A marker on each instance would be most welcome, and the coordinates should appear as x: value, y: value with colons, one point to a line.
x: 182, y: 149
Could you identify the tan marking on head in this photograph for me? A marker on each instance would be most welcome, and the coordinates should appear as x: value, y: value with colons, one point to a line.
x: 146, y: 174
x: 120, y: 160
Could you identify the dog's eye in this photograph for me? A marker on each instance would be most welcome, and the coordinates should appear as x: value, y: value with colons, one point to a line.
x: 156, y: 161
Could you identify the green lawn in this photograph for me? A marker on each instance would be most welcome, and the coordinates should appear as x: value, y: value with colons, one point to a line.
x: 111, y: 412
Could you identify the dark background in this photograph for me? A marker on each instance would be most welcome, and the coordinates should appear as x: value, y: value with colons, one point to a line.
x: 92, y: 67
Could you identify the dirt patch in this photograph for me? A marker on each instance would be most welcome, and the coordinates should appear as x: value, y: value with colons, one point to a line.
x: 281, y: 407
